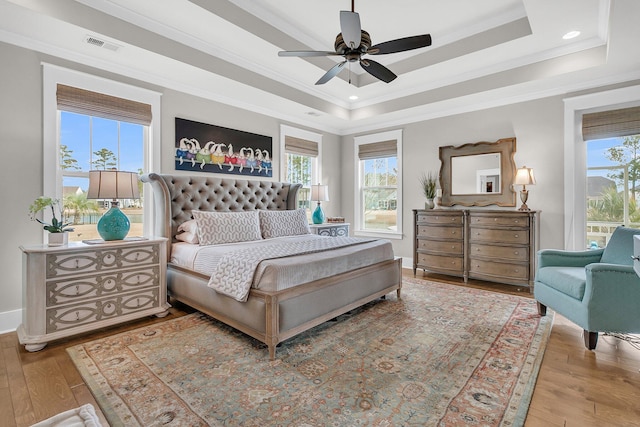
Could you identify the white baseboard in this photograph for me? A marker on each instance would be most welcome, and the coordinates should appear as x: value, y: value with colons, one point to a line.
x: 10, y: 320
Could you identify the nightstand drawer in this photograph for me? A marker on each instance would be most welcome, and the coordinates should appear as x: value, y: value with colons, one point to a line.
x: 90, y: 261
x: 330, y: 229
x: 74, y: 315
x: 98, y: 285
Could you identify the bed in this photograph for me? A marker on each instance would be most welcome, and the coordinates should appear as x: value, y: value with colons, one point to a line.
x: 295, y: 293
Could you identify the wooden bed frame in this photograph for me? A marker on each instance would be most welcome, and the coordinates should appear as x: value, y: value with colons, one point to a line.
x: 268, y: 316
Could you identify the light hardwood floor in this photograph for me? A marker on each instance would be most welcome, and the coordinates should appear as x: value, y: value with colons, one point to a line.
x: 575, y: 387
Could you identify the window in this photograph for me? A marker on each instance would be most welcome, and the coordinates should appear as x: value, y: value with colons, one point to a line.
x: 613, y: 172
x: 301, y: 162
x: 378, y: 207
x: 93, y: 123
x: 580, y: 126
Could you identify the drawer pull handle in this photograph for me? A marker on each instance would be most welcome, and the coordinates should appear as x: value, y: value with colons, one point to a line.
x: 515, y: 235
x: 517, y: 221
x: 516, y: 253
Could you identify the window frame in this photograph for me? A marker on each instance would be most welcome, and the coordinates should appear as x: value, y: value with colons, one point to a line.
x: 575, y: 156
x: 316, y: 162
x: 358, y: 180
x: 52, y: 75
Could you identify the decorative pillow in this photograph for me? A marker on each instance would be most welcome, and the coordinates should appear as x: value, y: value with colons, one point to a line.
x: 283, y: 223
x: 227, y: 227
x: 188, y: 237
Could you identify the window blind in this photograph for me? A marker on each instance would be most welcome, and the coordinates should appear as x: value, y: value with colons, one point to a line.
x: 300, y: 146
x: 83, y: 101
x: 611, y: 124
x: 376, y: 150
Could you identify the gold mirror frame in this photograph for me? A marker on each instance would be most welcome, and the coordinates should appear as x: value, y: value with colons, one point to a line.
x: 507, y: 197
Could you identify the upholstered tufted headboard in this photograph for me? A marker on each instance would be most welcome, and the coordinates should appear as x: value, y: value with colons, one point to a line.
x: 176, y: 195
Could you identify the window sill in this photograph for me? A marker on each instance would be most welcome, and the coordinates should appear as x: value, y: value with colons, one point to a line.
x: 379, y: 234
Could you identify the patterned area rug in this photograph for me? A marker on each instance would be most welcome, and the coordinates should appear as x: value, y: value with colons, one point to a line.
x: 441, y: 355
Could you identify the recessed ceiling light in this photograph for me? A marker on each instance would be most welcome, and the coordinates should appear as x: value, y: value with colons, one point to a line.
x: 353, y: 97
x: 571, y: 35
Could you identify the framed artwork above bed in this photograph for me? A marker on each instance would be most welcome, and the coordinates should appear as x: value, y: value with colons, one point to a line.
x: 202, y: 147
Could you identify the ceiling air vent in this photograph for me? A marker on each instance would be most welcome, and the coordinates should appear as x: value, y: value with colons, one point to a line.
x: 92, y: 40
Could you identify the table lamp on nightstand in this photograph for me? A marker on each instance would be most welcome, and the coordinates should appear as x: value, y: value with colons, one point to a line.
x: 114, y: 185
x: 319, y: 193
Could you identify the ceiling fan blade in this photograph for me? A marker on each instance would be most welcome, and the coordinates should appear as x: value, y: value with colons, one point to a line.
x: 331, y: 73
x: 351, y: 29
x: 306, y: 53
x: 378, y: 70
x: 400, y: 45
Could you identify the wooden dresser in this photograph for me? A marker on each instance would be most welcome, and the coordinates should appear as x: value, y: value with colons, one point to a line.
x: 493, y: 245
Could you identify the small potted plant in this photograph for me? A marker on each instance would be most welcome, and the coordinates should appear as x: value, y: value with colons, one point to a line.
x: 58, y: 229
x: 428, y: 183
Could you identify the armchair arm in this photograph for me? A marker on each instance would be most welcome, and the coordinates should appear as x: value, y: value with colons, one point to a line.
x: 612, y: 296
x: 560, y: 258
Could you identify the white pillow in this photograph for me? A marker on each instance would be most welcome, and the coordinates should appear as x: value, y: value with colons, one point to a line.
x: 227, y: 227
x: 283, y: 223
x: 190, y: 226
x: 188, y: 237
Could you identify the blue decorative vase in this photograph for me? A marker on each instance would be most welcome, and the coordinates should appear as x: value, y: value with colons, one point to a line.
x: 114, y: 224
x: 318, y: 215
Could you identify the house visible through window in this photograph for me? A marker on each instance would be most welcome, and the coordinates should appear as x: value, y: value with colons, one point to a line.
x: 379, y: 184
x: 98, y: 131
x: 613, y: 172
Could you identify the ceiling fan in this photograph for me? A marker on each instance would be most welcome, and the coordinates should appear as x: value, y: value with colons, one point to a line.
x: 354, y: 42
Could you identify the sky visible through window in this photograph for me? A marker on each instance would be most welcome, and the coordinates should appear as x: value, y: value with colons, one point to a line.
x: 75, y: 133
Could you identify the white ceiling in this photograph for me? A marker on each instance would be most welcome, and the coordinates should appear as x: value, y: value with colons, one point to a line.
x: 484, y: 53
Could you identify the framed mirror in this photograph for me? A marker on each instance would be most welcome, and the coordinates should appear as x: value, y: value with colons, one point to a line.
x: 478, y: 174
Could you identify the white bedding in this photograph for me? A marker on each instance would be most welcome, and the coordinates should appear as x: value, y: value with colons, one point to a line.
x: 283, y: 273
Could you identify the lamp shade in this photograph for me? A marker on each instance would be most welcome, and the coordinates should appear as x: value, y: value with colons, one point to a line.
x: 319, y: 193
x: 524, y: 176
x: 113, y: 184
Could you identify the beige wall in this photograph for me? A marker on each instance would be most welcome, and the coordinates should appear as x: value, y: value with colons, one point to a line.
x: 538, y: 128
x: 21, y: 139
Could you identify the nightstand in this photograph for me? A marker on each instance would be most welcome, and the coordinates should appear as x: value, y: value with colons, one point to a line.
x: 332, y: 229
x: 68, y: 290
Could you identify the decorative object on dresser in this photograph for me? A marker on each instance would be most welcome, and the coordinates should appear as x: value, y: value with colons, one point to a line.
x: 319, y: 193
x: 80, y: 288
x: 524, y: 177
x: 58, y: 230
x: 332, y: 229
x: 467, y: 170
x: 114, y: 185
x: 494, y: 245
x: 428, y: 182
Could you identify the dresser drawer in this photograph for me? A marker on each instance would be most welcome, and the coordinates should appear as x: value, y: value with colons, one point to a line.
x: 98, y: 285
x: 74, y: 315
x: 63, y: 264
x: 454, y: 233
x: 479, y: 268
x: 516, y: 253
x: 439, y: 262
x: 450, y: 248
x: 491, y: 220
x: 498, y: 236
x: 440, y: 219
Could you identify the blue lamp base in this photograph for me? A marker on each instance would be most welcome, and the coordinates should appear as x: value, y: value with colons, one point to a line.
x: 114, y: 224
x: 318, y: 215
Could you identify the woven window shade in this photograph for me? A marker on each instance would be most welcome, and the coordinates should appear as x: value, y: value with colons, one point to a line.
x: 97, y: 104
x: 376, y: 150
x: 610, y: 124
x: 300, y: 146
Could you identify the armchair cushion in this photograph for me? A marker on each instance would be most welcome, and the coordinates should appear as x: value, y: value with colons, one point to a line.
x: 620, y: 247
x: 570, y: 281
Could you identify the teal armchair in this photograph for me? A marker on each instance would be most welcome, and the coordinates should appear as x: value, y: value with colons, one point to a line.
x: 598, y: 289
